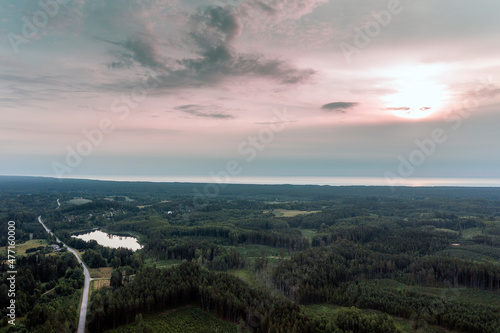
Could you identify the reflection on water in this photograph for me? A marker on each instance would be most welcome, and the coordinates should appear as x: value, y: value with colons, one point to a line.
x: 111, y: 240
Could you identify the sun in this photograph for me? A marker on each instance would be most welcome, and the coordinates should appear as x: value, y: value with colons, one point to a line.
x: 416, y: 93
x: 415, y: 99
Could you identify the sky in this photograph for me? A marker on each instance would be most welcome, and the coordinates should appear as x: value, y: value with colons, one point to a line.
x: 262, y: 88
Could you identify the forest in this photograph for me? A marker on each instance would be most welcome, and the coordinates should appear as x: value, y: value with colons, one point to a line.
x: 259, y: 258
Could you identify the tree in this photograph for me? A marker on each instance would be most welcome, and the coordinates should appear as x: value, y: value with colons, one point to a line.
x: 139, y: 325
x: 116, y: 279
x: 115, y: 262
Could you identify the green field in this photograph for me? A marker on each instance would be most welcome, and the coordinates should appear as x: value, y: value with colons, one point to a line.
x: 98, y: 284
x: 290, y: 213
x: 21, y: 248
x: 161, y: 263
x: 182, y: 320
x: 405, y: 325
x: 79, y: 201
x: 101, y: 272
x: 34, y: 243
x: 471, y: 232
x: 446, y: 230
x: 476, y: 252
x: 474, y: 296
x: 246, y: 275
x: 252, y: 251
x: 308, y: 233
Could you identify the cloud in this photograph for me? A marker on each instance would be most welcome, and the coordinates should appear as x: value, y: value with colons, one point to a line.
x: 284, y: 23
x: 211, y: 33
x: 215, y: 26
x: 27, y: 89
x: 374, y: 91
x: 265, y: 8
x: 404, y: 108
x: 143, y: 50
x: 283, y: 9
x: 214, y: 30
x: 147, y: 131
x: 140, y: 47
x: 274, y: 122
x: 339, y: 106
x: 203, y: 111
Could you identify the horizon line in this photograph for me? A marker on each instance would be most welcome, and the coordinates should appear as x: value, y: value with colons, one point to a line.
x: 290, y: 180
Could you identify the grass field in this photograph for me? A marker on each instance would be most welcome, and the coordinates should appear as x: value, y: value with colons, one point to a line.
x: 80, y: 253
x: 469, y: 295
x: 446, y: 230
x: 245, y: 274
x: 257, y: 250
x: 405, y: 325
x: 473, y: 252
x: 308, y: 233
x: 161, y: 263
x: 101, y: 272
x: 18, y: 321
x: 79, y: 201
x: 34, y: 243
x: 290, y: 213
x: 143, y: 206
x: 22, y: 247
x: 98, y: 284
x: 471, y: 232
x: 183, y: 320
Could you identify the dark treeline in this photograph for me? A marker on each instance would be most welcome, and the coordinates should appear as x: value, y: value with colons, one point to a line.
x: 449, y: 311
x: 284, y: 238
x: 326, y: 267
x: 96, y: 206
x: 13, y: 185
x: 326, y: 217
x: 100, y: 256
x: 383, y: 239
x: 322, y: 275
x: 204, y: 252
x: 47, y: 292
x: 155, y: 290
x: 26, y: 225
x: 457, y: 272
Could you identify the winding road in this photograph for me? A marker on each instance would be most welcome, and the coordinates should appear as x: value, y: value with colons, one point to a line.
x: 86, y: 286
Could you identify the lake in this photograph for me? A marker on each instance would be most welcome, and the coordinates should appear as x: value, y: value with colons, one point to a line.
x: 110, y: 240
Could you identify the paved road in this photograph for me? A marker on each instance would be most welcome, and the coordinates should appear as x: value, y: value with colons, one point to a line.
x: 86, y: 285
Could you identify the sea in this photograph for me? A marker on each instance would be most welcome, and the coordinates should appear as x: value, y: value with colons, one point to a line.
x: 309, y: 180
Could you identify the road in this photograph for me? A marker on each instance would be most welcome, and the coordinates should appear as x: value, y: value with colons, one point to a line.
x: 86, y: 285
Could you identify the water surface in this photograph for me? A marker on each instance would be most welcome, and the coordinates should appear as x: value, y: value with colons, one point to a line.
x: 111, y: 240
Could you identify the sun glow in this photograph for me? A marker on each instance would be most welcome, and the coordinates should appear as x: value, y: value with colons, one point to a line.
x: 417, y: 94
